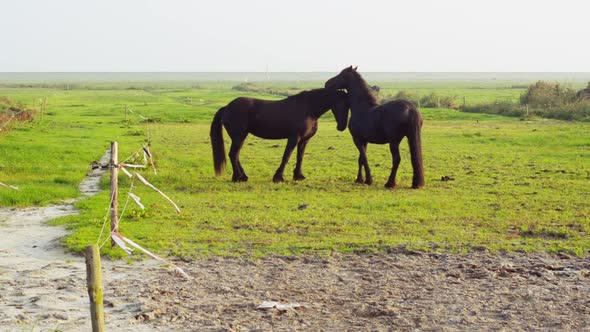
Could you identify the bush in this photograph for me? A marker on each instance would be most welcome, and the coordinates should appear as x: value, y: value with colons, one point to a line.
x: 576, y: 111
x: 251, y: 87
x: 543, y: 99
x: 9, y: 110
x: 431, y: 100
x: 584, y: 93
x: 436, y: 100
x: 547, y: 95
x: 500, y: 108
x: 402, y: 94
x: 248, y: 87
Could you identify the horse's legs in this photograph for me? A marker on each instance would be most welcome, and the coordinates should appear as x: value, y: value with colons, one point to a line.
x: 394, y: 148
x: 359, y: 174
x: 242, y: 172
x: 234, y: 155
x: 297, y: 173
x: 362, y: 147
x: 291, y: 144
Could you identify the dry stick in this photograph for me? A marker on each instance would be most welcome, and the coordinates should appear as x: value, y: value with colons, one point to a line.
x: 8, y: 186
x: 114, y: 189
x: 94, y: 284
x: 158, y: 190
x: 137, y: 200
x: 121, y: 239
x: 146, y: 151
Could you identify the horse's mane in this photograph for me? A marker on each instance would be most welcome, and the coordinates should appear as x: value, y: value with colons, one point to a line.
x: 308, y: 94
x: 365, y: 90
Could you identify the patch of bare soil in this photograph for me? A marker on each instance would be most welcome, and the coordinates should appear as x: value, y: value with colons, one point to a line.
x: 397, y: 291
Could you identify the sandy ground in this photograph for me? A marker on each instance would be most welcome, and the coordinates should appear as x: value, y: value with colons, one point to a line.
x: 43, y: 288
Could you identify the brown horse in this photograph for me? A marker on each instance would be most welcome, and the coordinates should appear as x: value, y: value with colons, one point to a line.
x: 294, y: 118
x: 381, y: 124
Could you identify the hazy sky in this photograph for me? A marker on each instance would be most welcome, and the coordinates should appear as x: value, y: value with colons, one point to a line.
x: 302, y: 35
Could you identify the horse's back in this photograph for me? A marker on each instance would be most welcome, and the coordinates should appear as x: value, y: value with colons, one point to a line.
x: 392, y: 120
x: 269, y: 119
x: 397, y: 112
x: 236, y: 113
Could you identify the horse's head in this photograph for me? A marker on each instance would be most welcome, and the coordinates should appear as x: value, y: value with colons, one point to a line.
x: 340, y: 108
x: 342, y: 80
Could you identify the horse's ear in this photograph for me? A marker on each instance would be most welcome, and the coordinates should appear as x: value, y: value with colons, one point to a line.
x: 354, y: 68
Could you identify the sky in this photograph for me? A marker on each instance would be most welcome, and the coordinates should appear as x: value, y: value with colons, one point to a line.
x: 294, y: 36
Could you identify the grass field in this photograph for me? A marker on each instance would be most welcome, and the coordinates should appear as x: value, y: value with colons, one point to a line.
x: 518, y: 185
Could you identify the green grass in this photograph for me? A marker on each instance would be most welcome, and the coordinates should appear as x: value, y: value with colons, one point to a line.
x: 518, y: 185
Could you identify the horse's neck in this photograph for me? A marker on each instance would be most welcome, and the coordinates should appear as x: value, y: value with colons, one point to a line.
x: 318, y: 109
x: 360, y: 98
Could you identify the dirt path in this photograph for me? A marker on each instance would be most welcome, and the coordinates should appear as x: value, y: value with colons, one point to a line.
x: 42, y: 288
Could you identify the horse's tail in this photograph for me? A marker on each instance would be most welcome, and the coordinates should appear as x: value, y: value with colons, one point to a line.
x: 216, y: 135
x: 415, y: 142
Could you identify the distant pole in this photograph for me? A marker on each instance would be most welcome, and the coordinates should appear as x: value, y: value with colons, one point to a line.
x: 114, y: 189
x: 43, y: 107
x: 94, y: 284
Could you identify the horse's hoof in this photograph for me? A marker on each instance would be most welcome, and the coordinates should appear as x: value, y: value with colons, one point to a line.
x: 298, y: 177
x: 368, y: 182
x: 359, y: 180
x: 390, y: 185
x: 277, y: 179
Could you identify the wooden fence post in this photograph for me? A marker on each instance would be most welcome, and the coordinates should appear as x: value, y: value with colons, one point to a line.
x: 94, y: 284
x: 114, y: 189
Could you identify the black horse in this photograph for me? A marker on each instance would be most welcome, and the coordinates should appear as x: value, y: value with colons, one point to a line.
x: 381, y: 124
x: 294, y: 118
